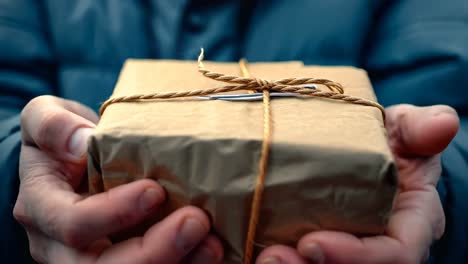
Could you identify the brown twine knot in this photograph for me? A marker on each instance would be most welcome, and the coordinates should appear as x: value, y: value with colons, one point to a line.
x: 284, y: 85
x: 264, y: 84
x: 290, y: 85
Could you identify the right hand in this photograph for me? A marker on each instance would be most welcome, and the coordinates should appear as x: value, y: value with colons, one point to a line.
x: 66, y: 227
x: 416, y: 136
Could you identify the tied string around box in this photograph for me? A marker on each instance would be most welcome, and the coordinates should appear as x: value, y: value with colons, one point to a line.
x: 252, y: 84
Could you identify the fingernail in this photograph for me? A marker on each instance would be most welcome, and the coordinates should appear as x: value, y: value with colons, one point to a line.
x: 190, y: 234
x: 149, y: 199
x: 271, y: 260
x: 79, y: 141
x: 313, y: 253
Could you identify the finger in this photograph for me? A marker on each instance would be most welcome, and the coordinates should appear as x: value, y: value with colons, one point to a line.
x: 339, y: 247
x: 67, y: 217
x: 169, y: 241
x: 423, y: 131
x: 78, y: 109
x: 58, y: 126
x: 283, y: 255
x: 46, y: 250
x: 72, y: 106
x: 166, y: 242
x: 106, y: 213
x: 209, y: 251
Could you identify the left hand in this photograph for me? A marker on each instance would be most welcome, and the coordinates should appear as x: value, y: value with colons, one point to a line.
x: 65, y: 226
x: 416, y: 137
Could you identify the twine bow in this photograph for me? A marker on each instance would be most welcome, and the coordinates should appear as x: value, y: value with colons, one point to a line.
x: 289, y: 85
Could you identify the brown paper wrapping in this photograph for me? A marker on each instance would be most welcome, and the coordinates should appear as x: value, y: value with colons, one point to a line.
x: 330, y: 165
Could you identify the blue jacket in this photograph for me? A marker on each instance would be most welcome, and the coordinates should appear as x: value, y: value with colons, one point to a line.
x: 416, y: 51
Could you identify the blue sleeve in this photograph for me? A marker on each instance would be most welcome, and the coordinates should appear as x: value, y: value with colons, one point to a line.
x: 26, y: 71
x: 418, y: 54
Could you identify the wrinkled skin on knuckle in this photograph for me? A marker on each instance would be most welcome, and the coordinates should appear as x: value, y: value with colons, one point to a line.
x: 33, y: 167
x: 22, y: 210
x: 31, y: 189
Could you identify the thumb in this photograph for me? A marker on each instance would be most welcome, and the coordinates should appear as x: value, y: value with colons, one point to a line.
x: 58, y: 126
x: 421, y: 131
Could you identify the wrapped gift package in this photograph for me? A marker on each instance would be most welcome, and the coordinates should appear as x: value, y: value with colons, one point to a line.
x: 329, y: 167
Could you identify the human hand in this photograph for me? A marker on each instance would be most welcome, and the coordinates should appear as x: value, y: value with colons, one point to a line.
x: 416, y: 137
x: 66, y: 227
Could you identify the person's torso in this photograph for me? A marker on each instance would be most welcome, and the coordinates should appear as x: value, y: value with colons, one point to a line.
x: 91, y: 39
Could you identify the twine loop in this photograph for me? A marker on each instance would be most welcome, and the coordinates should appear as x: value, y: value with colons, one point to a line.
x: 246, y: 82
